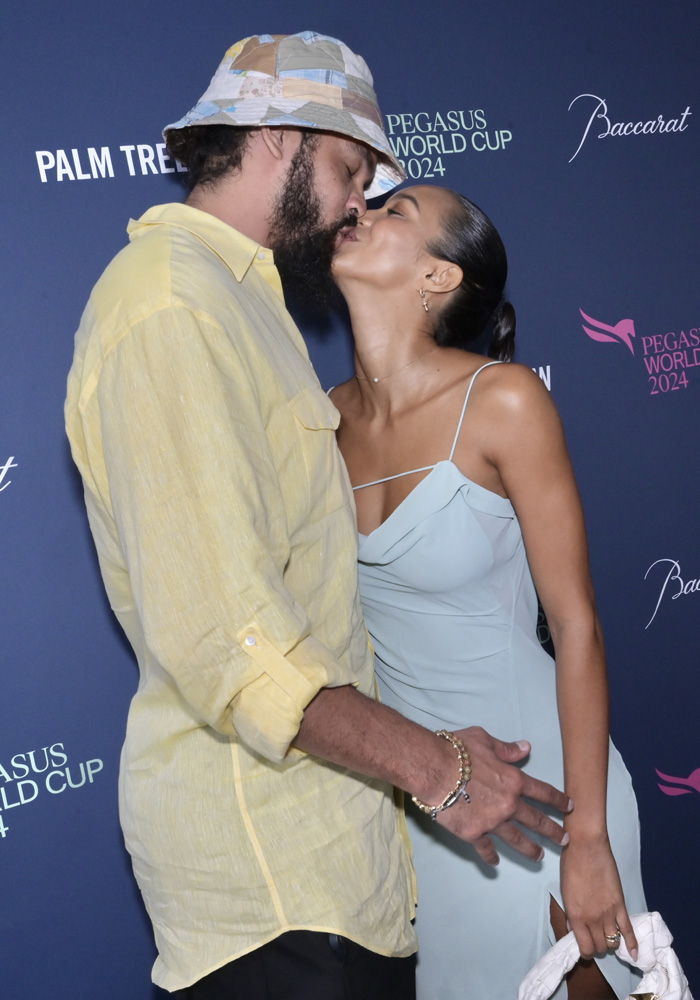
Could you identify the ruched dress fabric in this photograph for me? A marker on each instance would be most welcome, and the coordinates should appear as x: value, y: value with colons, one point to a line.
x: 452, y: 611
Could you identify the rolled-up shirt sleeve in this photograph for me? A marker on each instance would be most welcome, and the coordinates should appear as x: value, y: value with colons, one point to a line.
x: 202, y: 523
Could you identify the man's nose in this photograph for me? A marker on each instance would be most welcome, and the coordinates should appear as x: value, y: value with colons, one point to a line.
x: 357, y: 205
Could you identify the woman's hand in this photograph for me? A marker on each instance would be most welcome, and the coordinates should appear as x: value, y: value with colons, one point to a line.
x: 593, y: 898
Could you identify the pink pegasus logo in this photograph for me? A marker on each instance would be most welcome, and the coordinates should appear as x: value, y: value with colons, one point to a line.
x: 680, y: 786
x: 621, y: 332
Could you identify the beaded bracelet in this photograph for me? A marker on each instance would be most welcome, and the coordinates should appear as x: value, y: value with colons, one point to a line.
x: 465, y: 773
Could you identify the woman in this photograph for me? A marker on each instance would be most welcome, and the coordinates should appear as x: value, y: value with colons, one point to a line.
x: 460, y: 468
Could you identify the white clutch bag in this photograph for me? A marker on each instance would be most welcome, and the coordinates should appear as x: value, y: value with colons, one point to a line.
x: 663, y: 979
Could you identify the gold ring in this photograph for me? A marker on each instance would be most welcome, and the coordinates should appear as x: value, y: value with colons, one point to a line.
x: 613, y: 939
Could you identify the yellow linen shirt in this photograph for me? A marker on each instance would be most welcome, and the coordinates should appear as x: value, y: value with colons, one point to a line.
x: 225, y: 530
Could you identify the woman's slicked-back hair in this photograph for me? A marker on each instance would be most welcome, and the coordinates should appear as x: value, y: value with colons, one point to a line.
x: 469, y: 238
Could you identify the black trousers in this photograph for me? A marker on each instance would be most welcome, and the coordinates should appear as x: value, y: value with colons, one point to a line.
x: 307, y: 965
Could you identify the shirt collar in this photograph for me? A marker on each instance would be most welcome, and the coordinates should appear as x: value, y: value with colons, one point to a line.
x: 237, y: 251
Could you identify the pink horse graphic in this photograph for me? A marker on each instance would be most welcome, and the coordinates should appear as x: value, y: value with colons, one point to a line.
x: 680, y: 786
x: 622, y: 332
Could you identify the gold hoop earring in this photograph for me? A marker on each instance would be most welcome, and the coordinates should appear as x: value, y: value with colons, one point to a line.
x: 423, y: 299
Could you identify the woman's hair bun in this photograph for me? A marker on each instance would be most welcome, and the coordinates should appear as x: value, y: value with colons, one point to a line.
x: 502, y: 344
x: 469, y: 239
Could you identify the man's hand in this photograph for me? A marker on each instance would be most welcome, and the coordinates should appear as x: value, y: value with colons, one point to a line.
x: 343, y: 726
x: 496, y: 791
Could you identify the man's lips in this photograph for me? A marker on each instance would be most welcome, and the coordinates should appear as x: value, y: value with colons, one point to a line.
x: 347, y: 235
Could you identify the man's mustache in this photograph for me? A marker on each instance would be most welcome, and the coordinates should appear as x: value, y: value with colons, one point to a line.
x: 348, y: 223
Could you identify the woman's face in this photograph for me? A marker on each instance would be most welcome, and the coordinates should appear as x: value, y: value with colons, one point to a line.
x: 388, y: 247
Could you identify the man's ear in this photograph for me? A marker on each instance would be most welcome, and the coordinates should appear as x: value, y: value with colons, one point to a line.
x: 443, y: 277
x: 280, y: 142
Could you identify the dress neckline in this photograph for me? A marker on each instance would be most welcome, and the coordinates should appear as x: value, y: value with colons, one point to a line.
x: 466, y: 481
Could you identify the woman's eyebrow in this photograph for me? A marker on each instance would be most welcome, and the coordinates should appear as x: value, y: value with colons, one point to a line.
x: 406, y: 197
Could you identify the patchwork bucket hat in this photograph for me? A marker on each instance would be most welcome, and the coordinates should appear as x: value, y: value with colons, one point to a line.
x: 307, y: 81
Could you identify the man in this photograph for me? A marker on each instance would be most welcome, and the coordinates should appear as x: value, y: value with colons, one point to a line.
x: 255, y: 787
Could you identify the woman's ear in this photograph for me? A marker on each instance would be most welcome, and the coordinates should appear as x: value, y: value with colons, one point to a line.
x: 444, y: 277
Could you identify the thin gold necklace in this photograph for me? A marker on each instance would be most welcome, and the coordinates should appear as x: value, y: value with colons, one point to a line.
x: 381, y: 378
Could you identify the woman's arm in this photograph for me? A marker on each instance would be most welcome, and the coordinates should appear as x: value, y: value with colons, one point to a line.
x: 525, y: 443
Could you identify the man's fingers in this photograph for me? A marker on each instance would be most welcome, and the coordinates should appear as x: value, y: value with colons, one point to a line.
x: 486, y: 851
x: 533, y: 788
x: 511, y: 752
x: 540, y: 823
x: 519, y: 841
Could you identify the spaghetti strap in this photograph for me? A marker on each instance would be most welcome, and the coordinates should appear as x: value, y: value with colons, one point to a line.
x: 429, y: 468
x: 399, y: 475
x: 466, y: 400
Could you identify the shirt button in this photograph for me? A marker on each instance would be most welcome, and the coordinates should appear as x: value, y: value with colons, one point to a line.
x: 261, y: 255
x: 250, y: 640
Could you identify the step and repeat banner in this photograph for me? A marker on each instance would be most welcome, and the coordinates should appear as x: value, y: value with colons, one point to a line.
x: 577, y: 128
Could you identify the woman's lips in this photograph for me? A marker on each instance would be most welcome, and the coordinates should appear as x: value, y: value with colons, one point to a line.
x: 347, y: 236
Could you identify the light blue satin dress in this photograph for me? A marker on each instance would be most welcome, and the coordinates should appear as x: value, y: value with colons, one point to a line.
x: 451, y: 607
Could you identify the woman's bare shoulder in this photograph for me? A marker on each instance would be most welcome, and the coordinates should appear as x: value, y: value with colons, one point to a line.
x: 512, y: 409
x: 512, y: 388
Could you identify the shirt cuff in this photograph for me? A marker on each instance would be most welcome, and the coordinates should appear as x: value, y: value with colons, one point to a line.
x: 267, y: 713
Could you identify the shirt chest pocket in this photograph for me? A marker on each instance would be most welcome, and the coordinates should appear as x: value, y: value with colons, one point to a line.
x: 316, y: 474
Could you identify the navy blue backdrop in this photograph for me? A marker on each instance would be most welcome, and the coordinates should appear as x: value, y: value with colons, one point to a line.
x: 577, y: 127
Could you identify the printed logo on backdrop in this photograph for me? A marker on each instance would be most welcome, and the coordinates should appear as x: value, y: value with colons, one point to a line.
x: 420, y: 140
x: 33, y: 774
x: 670, y: 583
x: 666, y: 357
x: 4, y: 470
x: 544, y: 373
x: 680, y: 786
x: 423, y: 141
x: 598, y: 116
x: 93, y: 163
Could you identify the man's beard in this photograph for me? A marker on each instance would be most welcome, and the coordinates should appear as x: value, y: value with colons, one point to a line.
x: 302, y: 245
